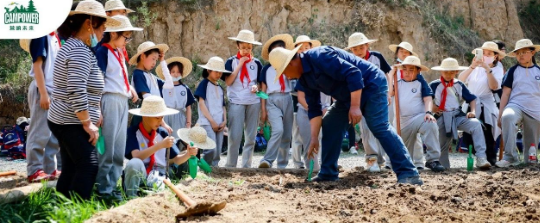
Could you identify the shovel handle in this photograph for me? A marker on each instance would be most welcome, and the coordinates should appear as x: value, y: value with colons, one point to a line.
x: 8, y: 173
x: 396, y: 104
x: 181, y: 195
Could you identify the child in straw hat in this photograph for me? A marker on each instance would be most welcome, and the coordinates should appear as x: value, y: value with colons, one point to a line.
x: 212, y: 112
x: 482, y: 78
x: 114, y: 104
x: 301, y: 123
x: 145, y: 83
x: 114, y: 8
x: 359, y: 46
x: 328, y: 69
x: 521, y: 92
x: 279, y: 106
x: 179, y: 97
x: 448, y: 91
x: 146, y: 147
x: 245, y: 106
x: 43, y: 151
x: 416, y: 117
x: 402, y: 51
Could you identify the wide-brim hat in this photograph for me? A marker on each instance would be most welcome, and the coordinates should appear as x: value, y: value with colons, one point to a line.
x: 357, y: 39
x: 94, y: 8
x: 415, y: 61
x: 125, y: 25
x: 112, y: 5
x: 153, y: 106
x: 306, y: 39
x: 146, y: 46
x: 198, y: 136
x: 21, y: 120
x: 246, y: 36
x: 286, y: 38
x: 25, y: 44
x: 186, y: 64
x: 492, y: 46
x: 280, y: 58
x: 405, y: 45
x: 449, y: 64
x: 215, y: 64
x: 524, y: 43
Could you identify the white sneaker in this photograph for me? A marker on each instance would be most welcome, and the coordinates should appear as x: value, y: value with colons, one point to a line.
x: 264, y: 165
x: 504, y: 163
x: 372, y: 165
x: 482, y: 163
x: 353, y: 150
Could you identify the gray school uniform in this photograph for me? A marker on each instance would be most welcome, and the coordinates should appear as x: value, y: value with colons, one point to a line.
x: 279, y: 106
x: 178, y: 98
x: 453, y: 119
x: 214, y: 100
x: 522, y: 107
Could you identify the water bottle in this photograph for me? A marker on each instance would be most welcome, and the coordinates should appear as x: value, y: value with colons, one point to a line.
x: 532, y: 154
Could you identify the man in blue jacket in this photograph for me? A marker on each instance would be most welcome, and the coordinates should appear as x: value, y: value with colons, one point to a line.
x: 358, y: 87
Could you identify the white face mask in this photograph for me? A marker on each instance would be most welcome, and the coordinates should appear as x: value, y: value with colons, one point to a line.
x: 177, y: 78
x: 488, y: 60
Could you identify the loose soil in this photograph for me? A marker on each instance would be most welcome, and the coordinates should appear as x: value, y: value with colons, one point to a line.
x: 497, y: 195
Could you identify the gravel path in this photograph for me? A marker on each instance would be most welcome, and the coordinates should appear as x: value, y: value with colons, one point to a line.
x: 348, y: 161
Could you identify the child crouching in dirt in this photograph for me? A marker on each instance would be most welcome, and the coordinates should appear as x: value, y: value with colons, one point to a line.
x: 146, y: 147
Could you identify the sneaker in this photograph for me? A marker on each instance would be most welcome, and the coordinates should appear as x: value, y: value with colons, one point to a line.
x: 353, y: 150
x: 411, y: 180
x: 482, y: 163
x: 264, y: 165
x: 435, y: 166
x: 38, y: 176
x: 372, y: 165
x: 56, y: 174
x: 318, y: 179
x: 504, y: 163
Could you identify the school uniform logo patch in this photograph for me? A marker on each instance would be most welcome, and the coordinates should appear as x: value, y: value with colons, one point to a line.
x: 183, y: 93
x: 414, y: 90
x: 252, y: 67
x: 537, y: 77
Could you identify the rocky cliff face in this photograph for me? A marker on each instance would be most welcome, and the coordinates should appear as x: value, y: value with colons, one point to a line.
x: 436, y: 29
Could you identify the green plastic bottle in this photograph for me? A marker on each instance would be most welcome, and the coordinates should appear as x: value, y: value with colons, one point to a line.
x: 470, y: 160
x: 311, y: 163
x: 193, y: 165
x: 100, y: 146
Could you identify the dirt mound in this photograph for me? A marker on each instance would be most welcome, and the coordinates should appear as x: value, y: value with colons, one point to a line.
x: 498, y: 195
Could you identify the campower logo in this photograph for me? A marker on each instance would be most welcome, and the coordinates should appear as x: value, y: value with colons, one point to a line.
x: 21, y: 17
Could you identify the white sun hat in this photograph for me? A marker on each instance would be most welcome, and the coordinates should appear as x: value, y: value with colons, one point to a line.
x: 153, y: 106
x: 286, y: 38
x: 306, y: 39
x: 357, y: 39
x: 94, y: 8
x: 125, y: 25
x: 415, y: 61
x: 198, y: 136
x: 246, y: 36
x: 215, y: 64
x: 112, y: 5
x: 405, y: 45
x: 449, y: 64
x: 524, y: 43
x: 280, y: 59
x: 492, y: 46
x: 146, y: 46
x: 186, y: 64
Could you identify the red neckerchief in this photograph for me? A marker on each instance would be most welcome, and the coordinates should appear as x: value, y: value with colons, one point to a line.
x: 57, y: 38
x: 445, y: 92
x: 367, y: 55
x: 150, y: 138
x: 282, y: 82
x: 400, y: 70
x: 244, y: 73
x: 125, y: 52
x: 117, y: 56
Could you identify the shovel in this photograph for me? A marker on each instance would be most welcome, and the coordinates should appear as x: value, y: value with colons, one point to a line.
x: 194, y: 208
x: 470, y: 160
x: 311, y: 163
x: 261, y: 94
x: 100, y: 146
x: 194, y: 163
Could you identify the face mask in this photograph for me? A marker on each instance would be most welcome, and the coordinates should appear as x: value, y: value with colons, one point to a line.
x: 177, y: 78
x: 488, y: 60
x: 93, y: 38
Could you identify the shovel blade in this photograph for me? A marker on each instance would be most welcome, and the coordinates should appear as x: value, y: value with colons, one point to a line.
x: 204, y: 166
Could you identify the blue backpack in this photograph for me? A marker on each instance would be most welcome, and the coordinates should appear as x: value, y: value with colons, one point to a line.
x: 12, y: 143
x: 260, y: 143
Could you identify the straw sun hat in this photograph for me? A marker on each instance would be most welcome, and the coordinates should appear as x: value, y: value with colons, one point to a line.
x: 286, y: 38
x: 25, y: 44
x: 280, y: 59
x: 306, y: 39
x: 125, y: 25
x: 449, y: 64
x: 405, y: 45
x: 146, y: 46
x: 215, y: 64
x: 153, y: 106
x: 186, y: 64
x: 357, y: 39
x: 524, y: 43
x: 94, y: 8
x: 415, y: 61
x: 492, y: 46
x: 245, y: 36
x: 112, y: 5
x: 198, y: 136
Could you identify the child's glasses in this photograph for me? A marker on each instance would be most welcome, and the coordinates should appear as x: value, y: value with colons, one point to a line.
x: 128, y: 39
x: 524, y: 52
